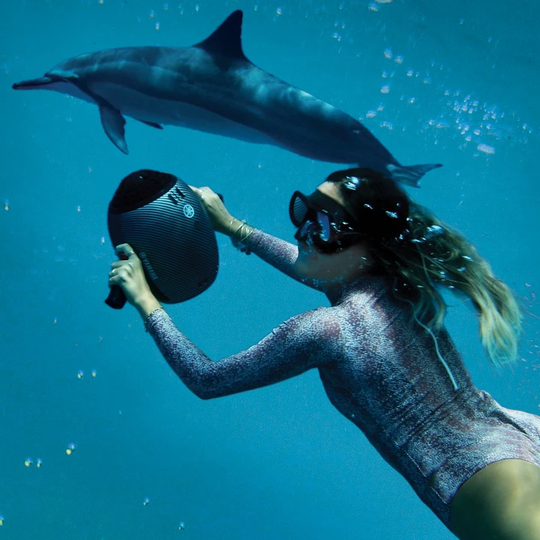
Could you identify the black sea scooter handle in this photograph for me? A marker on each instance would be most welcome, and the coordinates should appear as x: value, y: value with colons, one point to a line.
x: 117, y: 298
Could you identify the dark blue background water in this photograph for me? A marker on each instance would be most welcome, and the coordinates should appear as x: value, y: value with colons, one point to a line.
x: 462, y: 80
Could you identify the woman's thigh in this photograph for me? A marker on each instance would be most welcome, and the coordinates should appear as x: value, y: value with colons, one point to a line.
x: 500, y: 502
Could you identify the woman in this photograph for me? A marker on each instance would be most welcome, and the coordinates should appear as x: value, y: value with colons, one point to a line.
x: 384, y: 357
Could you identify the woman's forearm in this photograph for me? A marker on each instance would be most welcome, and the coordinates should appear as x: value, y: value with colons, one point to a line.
x: 278, y: 253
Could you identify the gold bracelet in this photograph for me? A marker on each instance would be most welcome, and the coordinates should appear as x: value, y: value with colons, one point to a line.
x: 149, y: 315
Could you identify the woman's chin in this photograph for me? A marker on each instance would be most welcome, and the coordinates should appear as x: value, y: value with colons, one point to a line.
x: 306, y: 264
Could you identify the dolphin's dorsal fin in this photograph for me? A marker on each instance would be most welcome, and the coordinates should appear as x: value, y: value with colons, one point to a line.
x: 227, y: 38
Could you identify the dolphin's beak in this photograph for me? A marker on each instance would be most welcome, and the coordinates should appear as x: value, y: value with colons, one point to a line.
x: 33, y: 84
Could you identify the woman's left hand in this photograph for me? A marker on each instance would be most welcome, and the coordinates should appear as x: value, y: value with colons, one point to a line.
x: 129, y: 275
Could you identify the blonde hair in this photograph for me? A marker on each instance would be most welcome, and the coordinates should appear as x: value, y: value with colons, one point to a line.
x: 439, y: 255
x: 427, y: 254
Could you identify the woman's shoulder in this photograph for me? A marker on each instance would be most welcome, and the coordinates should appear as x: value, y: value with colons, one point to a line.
x: 321, y: 327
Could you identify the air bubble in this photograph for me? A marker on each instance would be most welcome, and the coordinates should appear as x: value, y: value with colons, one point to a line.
x: 434, y: 230
x: 70, y: 448
x: 352, y: 182
x: 486, y: 148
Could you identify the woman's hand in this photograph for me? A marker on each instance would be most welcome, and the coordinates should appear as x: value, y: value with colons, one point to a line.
x: 129, y: 275
x: 222, y: 221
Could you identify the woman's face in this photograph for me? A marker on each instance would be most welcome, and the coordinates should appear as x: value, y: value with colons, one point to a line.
x: 339, y: 267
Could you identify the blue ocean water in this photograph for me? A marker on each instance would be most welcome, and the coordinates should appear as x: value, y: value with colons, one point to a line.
x: 451, y: 82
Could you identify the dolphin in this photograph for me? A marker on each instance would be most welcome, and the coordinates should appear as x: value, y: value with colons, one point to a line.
x: 212, y: 87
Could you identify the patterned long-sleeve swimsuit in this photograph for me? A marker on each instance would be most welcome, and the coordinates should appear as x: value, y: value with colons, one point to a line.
x: 381, y: 370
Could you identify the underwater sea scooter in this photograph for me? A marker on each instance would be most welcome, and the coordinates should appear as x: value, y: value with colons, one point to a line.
x: 165, y: 223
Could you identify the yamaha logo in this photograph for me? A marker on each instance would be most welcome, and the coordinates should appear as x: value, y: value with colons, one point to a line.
x: 189, y: 212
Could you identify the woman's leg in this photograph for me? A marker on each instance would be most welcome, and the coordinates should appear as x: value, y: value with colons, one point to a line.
x: 500, y: 502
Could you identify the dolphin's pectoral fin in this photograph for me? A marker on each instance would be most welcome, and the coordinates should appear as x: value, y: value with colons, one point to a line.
x: 113, y: 123
x: 151, y: 124
x: 227, y: 39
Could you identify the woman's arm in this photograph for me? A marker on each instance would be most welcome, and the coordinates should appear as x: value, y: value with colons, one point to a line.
x: 304, y: 342
x: 279, y: 253
x: 276, y: 252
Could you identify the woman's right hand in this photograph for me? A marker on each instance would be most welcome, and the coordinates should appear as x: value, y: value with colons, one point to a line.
x: 222, y: 221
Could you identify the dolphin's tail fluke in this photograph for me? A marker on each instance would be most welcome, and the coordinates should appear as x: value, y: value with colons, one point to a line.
x: 410, y: 175
x: 33, y: 84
